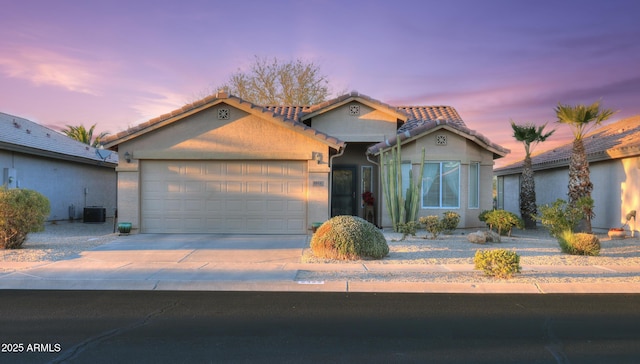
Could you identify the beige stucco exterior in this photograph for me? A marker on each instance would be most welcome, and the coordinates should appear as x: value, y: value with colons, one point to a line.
x: 244, y: 136
x: 369, y: 125
x: 457, y: 149
x: 327, y: 138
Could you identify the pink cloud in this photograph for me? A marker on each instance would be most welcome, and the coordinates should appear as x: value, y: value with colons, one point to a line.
x: 44, y: 67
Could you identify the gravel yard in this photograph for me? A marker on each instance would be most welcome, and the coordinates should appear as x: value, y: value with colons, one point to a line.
x: 61, y: 241
x: 67, y: 240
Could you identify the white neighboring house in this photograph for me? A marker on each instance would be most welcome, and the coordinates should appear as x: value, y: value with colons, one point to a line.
x: 72, y: 175
x: 613, y: 152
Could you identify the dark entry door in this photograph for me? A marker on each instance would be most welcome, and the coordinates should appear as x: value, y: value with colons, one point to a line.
x: 343, y: 191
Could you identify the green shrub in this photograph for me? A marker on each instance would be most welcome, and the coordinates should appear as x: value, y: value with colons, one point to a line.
x: 435, y: 226
x: 503, y: 221
x: 560, y: 217
x: 579, y: 244
x: 483, y: 216
x: 21, y: 212
x: 499, y: 263
x: 432, y: 224
x: 349, y: 238
x: 450, y: 221
x: 407, y: 228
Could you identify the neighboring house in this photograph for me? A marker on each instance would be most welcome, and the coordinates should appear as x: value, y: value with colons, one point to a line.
x: 72, y: 175
x: 225, y: 165
x: 613, y: 152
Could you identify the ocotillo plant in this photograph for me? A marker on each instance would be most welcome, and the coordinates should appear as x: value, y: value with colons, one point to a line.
x: 401, y: 210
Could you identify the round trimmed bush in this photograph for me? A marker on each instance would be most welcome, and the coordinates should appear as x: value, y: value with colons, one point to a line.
x: 349, y: 238
x: 579, y: 243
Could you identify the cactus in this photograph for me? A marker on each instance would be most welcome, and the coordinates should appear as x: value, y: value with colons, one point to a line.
x: 401, y: 209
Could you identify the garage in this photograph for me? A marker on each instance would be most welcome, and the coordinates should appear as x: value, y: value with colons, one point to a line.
x: 210, y: 196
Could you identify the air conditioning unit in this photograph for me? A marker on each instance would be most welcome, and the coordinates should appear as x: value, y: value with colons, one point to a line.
x: 94, y: 214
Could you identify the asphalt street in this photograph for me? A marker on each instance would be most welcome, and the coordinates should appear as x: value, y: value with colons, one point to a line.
x: 280, y: 327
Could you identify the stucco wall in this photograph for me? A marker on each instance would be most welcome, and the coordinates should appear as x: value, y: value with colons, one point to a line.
x: 616, y: 190
x: 203, y: 136
x: 458, y: 149
x: 64, y: 183
x: 370, y: 126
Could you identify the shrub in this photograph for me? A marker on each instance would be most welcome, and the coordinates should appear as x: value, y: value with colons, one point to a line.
x: 21, y: 212
x: 431, y: 224
x: 483, y: 216
x: 560, y: 217
x: 450, y: 221
x: 503, y: 221
x: 407, y: 228
x: 499, y: 263
x: 349, y: 238
x: 435, y: 226
x: 579, y: 244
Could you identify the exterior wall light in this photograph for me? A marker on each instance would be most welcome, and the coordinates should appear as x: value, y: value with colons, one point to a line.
x: 127, y: 157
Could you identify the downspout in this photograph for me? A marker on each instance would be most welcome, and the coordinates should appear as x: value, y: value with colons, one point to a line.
x: 340, y: 153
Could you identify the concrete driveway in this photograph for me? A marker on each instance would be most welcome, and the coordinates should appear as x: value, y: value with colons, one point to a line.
x: 212, y: 248
x: 172, y: 262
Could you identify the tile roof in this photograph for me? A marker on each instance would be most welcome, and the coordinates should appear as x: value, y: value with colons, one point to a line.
x: 422, y: 127
x: 419, y: 115
x: 286, y: 114
x: 415, y: 119
x: 19, y: 134
x: 616, y: 140
x: 353, y: 95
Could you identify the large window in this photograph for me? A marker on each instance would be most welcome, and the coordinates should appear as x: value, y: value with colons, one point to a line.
x: 441, y: 185
x: 474, y: 185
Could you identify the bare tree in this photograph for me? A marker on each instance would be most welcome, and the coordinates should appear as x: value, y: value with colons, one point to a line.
x: 275, y: 82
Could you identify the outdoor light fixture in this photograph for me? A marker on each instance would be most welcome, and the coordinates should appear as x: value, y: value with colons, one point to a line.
x: 127, y: 157
x: 317, y: 156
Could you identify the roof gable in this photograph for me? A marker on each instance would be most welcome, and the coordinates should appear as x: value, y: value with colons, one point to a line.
x: 221, y: 97
x: 616, y: 140
x: 424, y: 128
x: 347, y: 98
x: 25, y: 136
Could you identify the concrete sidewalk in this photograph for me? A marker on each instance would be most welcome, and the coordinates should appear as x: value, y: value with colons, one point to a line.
x: 265, y: 263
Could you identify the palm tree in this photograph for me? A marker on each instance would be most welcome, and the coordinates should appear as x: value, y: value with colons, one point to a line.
x: 81, y: 134
x: 581, y: 119
x: 530, y: 136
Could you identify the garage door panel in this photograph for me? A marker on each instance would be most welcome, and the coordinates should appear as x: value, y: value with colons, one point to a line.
x: 223, y: 196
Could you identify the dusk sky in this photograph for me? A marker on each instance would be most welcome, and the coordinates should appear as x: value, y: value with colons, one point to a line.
x: 120, y: 63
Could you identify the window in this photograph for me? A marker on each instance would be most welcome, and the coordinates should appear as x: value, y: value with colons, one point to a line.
x: 441, y: 185
x: 500, y: 193
x: 406, y: 175
x: 474, y: 185
x: 367, y: 179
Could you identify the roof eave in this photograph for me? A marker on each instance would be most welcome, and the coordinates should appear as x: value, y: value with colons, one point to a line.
x: 54, y: 155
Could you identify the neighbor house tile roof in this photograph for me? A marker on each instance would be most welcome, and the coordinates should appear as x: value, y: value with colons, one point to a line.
x: 25, y: 136
x: 616, y: 140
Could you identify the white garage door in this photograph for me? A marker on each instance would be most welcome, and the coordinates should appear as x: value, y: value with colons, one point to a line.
x: 265, y: 197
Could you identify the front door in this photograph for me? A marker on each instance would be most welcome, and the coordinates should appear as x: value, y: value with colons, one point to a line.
x: 343, y: 191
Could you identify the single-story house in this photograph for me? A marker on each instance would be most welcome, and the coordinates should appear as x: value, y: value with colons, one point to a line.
x: 72, y: 175
x: 613, y: 152
x: 226, y: 165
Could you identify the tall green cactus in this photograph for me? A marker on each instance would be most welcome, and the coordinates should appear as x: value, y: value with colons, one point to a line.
x: 400, y: 210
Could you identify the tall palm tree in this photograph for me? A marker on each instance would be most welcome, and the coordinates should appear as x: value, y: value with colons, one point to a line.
x: 530, y: 136
x: 81, y: 134
x: 581, y: 119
